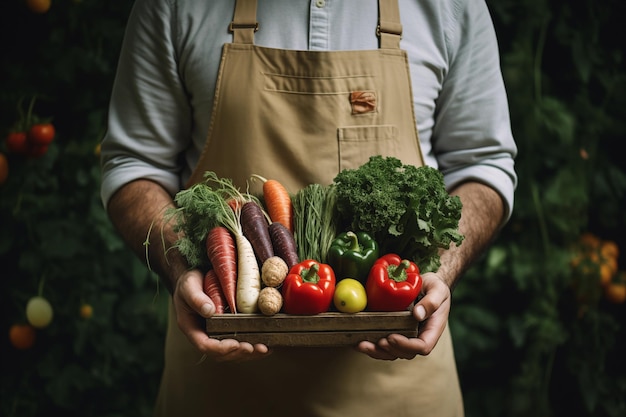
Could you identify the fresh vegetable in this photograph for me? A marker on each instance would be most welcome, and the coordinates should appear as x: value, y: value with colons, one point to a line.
x: 393, y: 284
x: 254, y: 225
x: 204, y: 206
x: 41, y: 134
x: 39, y: 312
x: 213, y: 288
x: 270, y: 301
x: 407, y: 210
x: 352, y: 254
x: 350, y: 296
x: 221, y: 251
x: 248, y: 276
x: 277, y: 202
x: 33, y: 143
x: 274, y: 271
x: 315, y: 224
x: 309, y: 288
x: 22, y: 336
x: 284, y: 243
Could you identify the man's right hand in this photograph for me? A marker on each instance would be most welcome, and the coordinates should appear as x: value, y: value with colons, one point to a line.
x: 192, y: 307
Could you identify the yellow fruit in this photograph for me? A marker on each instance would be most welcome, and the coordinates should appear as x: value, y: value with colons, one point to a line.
x: 86, y: 311
x: 39, y: 312
x: 350, y: 296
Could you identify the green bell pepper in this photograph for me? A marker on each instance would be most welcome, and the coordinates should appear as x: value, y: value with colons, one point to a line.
x: 352, y: 254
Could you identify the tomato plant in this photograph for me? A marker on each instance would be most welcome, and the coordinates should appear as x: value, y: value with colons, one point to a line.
x: 53, y: 225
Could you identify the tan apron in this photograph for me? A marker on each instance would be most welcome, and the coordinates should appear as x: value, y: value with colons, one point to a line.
x: 300, y: 117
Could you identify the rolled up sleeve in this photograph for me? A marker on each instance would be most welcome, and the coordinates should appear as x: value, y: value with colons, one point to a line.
x: 472, y: 137
x: 149, y: 115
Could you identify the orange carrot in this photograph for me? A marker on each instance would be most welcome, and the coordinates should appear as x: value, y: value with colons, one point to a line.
x: 221, y: 251
x: 213, y: 289
x: 277, y: 201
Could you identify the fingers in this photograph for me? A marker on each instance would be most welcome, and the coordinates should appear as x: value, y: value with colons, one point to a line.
x: 431, y: 311
x: 373, y: 351
x: 189, y: 290
x: 193, y: 307
x: 436, y: 293
x: 393, y: 347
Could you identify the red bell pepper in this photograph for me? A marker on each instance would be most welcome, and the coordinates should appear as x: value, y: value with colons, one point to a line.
x: 392, y: 284
x: 308, y: 288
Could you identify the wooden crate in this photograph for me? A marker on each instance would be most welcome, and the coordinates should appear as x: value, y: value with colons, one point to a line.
x: 321, y: 330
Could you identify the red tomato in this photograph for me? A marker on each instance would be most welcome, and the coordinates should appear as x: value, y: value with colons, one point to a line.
x: 17, y: 142
x: 41, y: 133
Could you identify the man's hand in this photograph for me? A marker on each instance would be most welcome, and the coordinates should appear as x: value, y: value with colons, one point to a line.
x: 431, y: 312
x: 192, y: 307
x: 482, y: 214
x: 137, y: 211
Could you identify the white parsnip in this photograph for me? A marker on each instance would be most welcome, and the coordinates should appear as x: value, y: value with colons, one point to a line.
x: 248, y: 276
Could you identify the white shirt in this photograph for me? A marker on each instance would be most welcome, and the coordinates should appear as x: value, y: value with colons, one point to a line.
x: 163, y: 91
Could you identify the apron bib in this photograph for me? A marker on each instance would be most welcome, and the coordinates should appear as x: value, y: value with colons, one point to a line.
x: 300, y: 117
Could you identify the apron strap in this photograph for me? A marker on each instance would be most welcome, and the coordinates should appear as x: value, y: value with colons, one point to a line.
x: 389, y: 28
x: 244, y: 22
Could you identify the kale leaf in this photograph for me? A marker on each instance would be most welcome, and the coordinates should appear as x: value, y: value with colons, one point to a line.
x: 406, y: 209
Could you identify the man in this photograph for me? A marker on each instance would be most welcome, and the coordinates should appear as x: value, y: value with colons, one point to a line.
x: 298, y: 91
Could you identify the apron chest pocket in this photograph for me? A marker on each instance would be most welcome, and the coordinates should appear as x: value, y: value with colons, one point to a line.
x: 358, y: 143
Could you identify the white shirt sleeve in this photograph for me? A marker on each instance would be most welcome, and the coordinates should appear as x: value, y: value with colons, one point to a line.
x: 149, y: 114
x: 472, y: 138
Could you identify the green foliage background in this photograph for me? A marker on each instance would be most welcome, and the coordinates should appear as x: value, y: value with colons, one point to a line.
x: 525, y: 344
